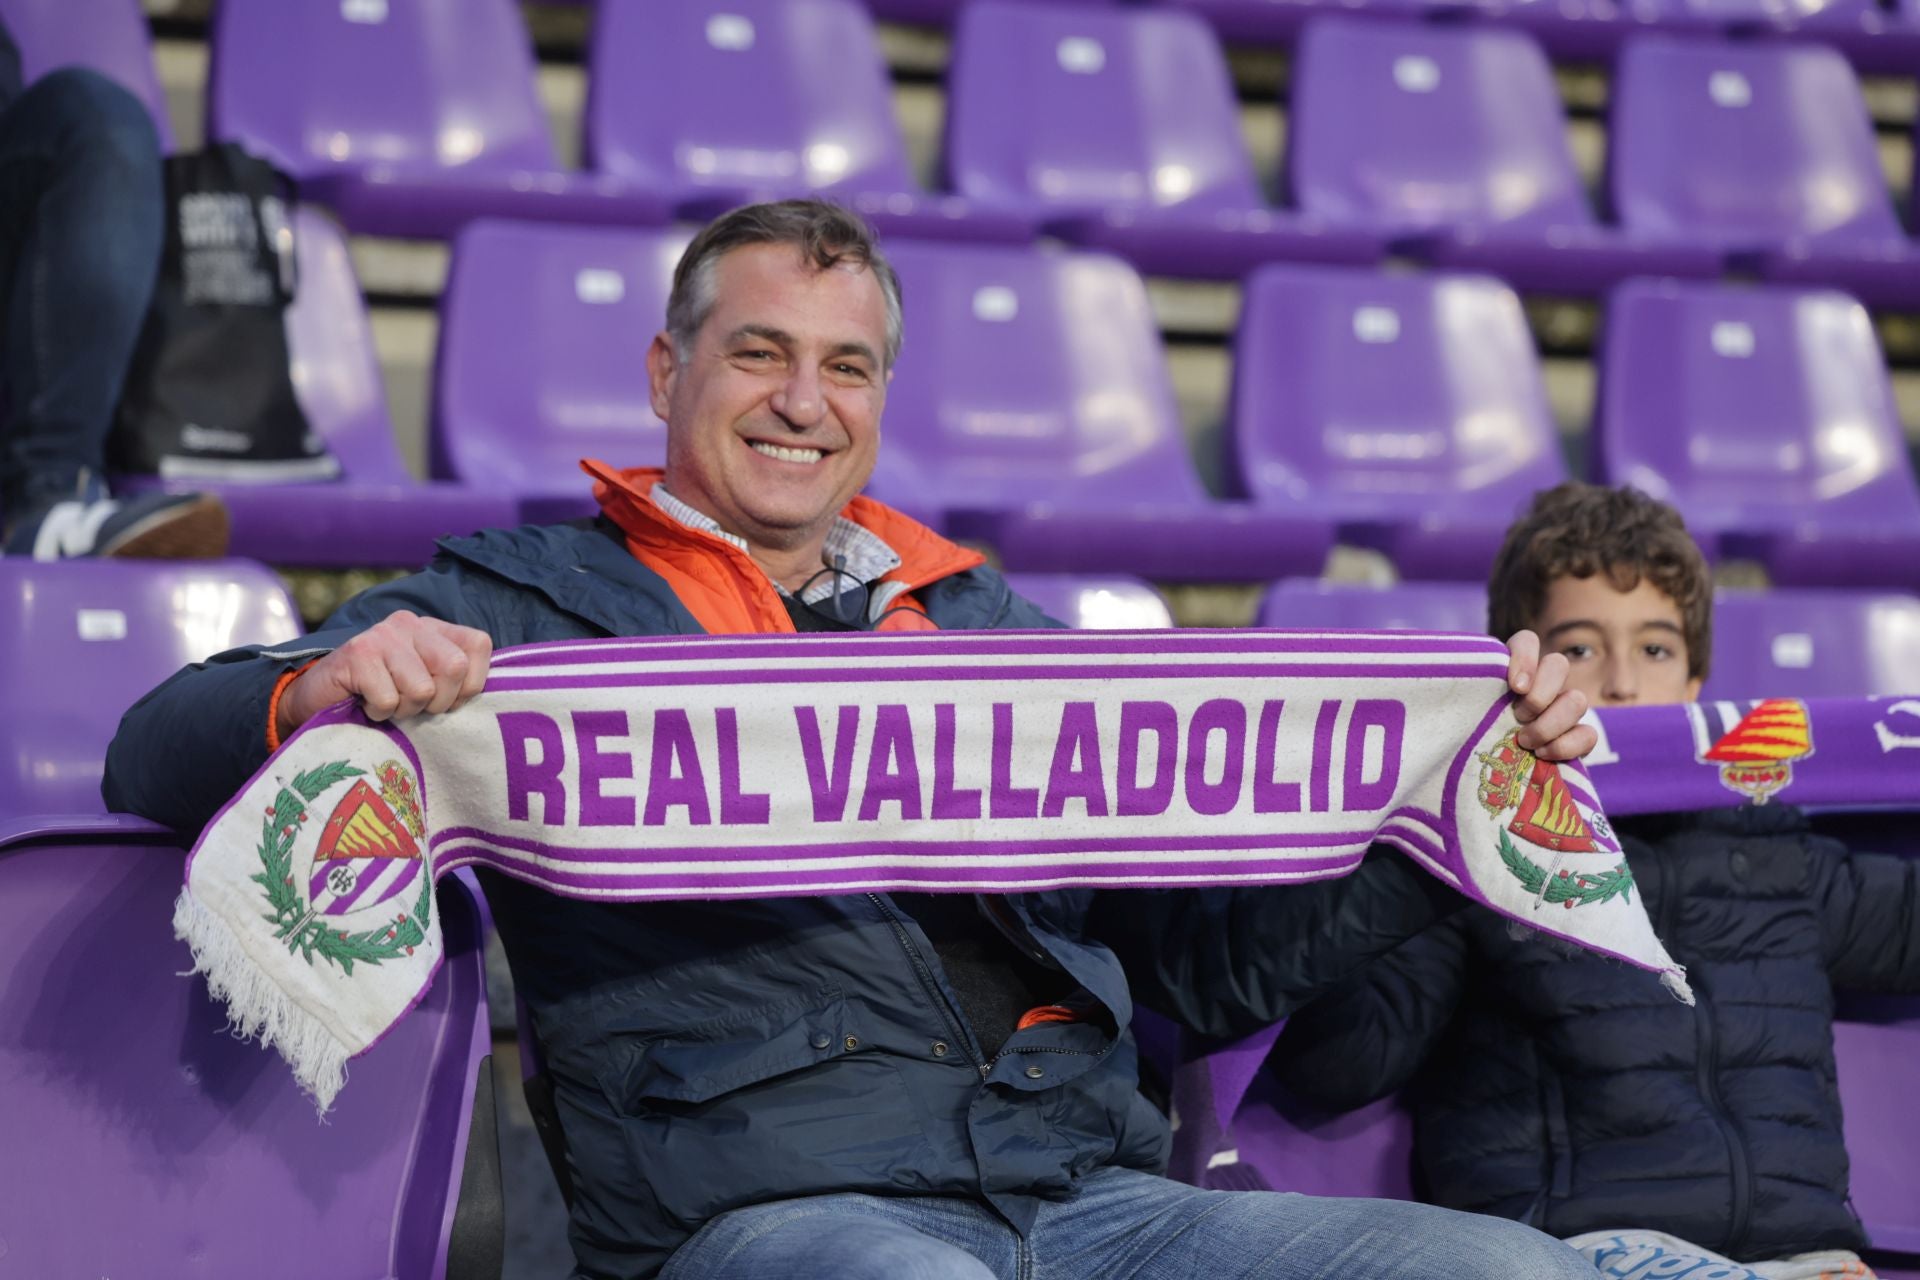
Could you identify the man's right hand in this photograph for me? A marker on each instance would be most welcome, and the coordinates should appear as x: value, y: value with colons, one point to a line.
x: 400, y: 666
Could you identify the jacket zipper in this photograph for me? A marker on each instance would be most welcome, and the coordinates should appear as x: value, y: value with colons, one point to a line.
x: 1708, y: 1052
x: 955, y: 1028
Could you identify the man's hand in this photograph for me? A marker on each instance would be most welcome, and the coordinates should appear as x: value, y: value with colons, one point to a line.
x: 400, y: 666
x: 1549, y: 712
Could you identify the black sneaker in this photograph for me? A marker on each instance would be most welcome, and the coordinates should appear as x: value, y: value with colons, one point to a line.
x: 155, y: 526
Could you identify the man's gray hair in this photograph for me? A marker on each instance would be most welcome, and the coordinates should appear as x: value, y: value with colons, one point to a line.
x: 825, y: 234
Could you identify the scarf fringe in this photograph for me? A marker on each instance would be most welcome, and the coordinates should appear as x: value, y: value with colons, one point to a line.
x: 257, y: 1008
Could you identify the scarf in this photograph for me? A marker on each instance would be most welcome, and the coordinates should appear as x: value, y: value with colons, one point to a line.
x: 981, y: 762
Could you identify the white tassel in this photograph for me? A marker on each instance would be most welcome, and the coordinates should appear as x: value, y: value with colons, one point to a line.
x: 1675, y: 980
x: 257, y: 1009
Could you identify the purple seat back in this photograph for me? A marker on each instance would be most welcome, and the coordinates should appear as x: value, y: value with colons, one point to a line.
x: 335, y: 371
x: 1749, y: 145
x: 1814, y: 644
x: 1876, y: 1062
x: 85, y: 639
x: 542, y: 362
x: 1390, y: 398
x: 1409, y: 606
x: 1413, y: 125
x: 109, y: 36
x: 1079, y: 110
x: 321, y: 86
x: 754, y: 95
x: 1752, y: 409
x: 1029, y: 378
x: 148, y: 1142
x: 1094, y: 604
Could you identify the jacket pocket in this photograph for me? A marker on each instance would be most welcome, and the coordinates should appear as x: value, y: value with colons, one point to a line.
x: 703, y: 1061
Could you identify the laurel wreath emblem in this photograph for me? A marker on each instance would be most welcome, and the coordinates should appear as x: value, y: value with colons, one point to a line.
x: 1569, y: 888
x: 297, y: 924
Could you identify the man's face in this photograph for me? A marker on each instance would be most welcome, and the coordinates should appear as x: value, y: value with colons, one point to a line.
x: 1622, y: 647
x: 773, y: 414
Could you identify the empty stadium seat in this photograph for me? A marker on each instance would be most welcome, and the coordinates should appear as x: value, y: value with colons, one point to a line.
x: 1763, y: 150
x: 1454, y: 139
x: 1765, y: 416
x: 408, y: 117
x: 938, y: 13
x: 1094, y: 604
x: 542, y: 362
x: 146, y: 1141
x: 719, y: 102
x: 1579, y: 29
x: 1406, y: 410
x: 109, y: 36
x: 1309, y: 604
x: 1876, y: 1076
x: 1031, y: 409
x: 84, y: 639
x: 1814, y: 644
x: 1119, y: 130
x: 375, y: 513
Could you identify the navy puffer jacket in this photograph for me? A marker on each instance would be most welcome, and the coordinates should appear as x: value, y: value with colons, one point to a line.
x: 707, y: 1056
x: 1575, y: 1094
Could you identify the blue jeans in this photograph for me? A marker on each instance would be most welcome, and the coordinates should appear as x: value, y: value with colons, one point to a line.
x: 1123, y: 1225
x: 82, y: 207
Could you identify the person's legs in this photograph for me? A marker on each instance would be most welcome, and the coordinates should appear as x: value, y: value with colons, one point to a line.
x: 81, y: 219
x: 850, y: 1237
x: 1132, y: 1226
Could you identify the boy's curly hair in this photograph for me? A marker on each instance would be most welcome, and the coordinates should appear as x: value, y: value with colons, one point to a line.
x: 1578, y: 530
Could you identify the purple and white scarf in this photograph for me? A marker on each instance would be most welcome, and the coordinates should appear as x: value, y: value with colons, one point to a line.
x: 745, y: 767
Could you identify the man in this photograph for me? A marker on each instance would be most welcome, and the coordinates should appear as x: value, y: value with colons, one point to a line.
x: 1573, y: 1094
x: 82, y: 212
x: 875, y: 1086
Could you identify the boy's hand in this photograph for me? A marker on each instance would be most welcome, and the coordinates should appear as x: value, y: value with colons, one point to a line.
x: 1549, y: 712
x: 400, y: 666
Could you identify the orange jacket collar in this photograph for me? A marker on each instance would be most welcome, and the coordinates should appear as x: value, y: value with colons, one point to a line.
x: 721, y: 585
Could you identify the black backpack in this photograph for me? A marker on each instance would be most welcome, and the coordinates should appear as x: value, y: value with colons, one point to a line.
x: 209, y: 395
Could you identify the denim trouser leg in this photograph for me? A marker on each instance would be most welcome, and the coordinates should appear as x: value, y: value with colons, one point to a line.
x: 1122, y: 1226
x: 81, y: 209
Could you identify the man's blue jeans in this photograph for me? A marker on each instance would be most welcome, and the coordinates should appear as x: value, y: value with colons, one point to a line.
x: 1123, y: 1225
x: 81, y: 217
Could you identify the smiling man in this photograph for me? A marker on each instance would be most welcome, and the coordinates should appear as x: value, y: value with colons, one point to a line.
x: 714, y: 1127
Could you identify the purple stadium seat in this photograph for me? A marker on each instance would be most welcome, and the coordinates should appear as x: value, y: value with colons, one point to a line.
x: 543, y: 337
x: 937, y: 13
x: 1094, y: 604
x: 109, y: 36
x: 1119, y: 130
x: 84, y: 639
x: 1763, y: 150
x: 375, y: 513
x: 1814, y: 644
x: 408, y: 117
x: 1344, y: 606
x: 1031, y: 410
x: 1407, y: 410
x: 1453, y: 139
x: 142, y: 1140
x: 715, y: 103
x: 1879, y: 1064
x: 1765, y: 416
x: 1577, y: 29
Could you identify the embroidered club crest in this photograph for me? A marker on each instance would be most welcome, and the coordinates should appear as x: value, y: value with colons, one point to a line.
x: 1552, y: 811
x: 1756, y: 756
x: 363, y: 856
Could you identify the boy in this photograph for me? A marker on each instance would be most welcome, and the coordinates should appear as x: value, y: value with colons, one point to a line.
x: 1568, y: 1092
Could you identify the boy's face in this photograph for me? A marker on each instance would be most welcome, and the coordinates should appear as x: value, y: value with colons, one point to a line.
x: 1622, y: 647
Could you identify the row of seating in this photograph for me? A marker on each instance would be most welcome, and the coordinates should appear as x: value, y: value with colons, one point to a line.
x: 116, y: 629
x: 1032, y: 410
x: 1113, y: 128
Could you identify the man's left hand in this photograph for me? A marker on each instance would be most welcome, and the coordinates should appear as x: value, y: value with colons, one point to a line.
x: 1549, y: 712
